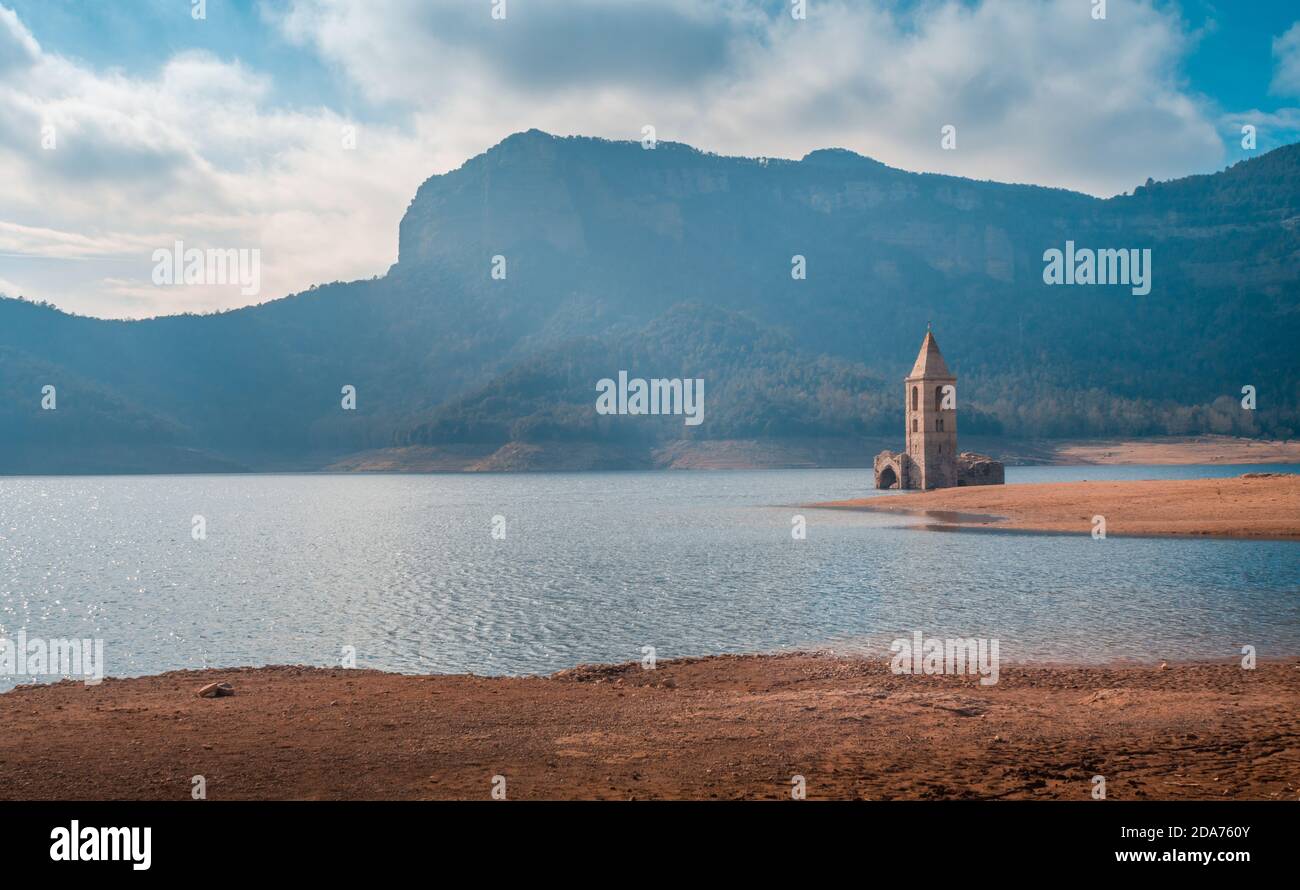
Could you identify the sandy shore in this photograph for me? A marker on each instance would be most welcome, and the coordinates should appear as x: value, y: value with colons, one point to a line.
x: 1240, y: 507
x: 727, y: 727
x: 1179, y: 450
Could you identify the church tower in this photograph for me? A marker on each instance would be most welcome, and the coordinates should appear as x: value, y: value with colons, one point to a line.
x: 932, y: 419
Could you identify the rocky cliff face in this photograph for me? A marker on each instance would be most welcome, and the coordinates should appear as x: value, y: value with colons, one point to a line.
x: 675, y: 261
x: 576, y: 216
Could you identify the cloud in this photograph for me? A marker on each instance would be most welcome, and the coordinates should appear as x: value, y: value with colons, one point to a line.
x: 199, y: 150
x: 194, y: 153
x: 1273, y: 129
x: 1286, y: 55
x: 51, y: 243
x: 392, y: 46
x: 18, y: 47
x: 1038, y: 91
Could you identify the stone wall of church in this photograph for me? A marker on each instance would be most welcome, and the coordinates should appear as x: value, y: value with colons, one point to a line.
x: 979, y: 469
x: 894, y: 469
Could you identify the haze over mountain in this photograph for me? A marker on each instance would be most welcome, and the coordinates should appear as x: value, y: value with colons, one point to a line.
x: 674, y: 262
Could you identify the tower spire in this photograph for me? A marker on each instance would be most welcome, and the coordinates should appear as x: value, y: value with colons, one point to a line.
x: 929, y: 361
x: 930, y: 458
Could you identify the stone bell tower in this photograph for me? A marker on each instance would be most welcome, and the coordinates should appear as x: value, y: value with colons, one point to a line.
x: 930, y: 458
x: 932, y: 419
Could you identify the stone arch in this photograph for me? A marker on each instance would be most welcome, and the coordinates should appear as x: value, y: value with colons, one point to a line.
x: 888, y: 478
x: 916, y: 395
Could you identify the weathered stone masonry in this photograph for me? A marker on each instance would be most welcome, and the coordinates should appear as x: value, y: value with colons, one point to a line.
x: 930, y: 458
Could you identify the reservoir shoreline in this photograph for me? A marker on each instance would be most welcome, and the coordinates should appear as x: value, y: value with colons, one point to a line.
x: 1254, y: 506
x: 719, y: 727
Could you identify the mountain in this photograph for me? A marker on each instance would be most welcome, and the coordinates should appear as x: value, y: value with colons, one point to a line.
x: 674, y: 262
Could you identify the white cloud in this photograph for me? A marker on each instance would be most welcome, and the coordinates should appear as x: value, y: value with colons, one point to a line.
x: 1273, y: 128
x: 17, y: 45
x: 192, y: 154
x: 1039, y: 93
x: 35, y: 241
x: 1286, y: 54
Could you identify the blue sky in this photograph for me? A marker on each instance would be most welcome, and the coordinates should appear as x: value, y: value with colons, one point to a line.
x: 1223, y: 65
x: 139, y: 36
x: 225, y: 132
x: 1232, y: 34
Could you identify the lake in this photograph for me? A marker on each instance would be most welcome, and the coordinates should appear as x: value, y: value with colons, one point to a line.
x: 594, y: 566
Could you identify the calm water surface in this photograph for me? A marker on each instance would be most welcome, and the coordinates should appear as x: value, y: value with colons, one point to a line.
x: 593, y: 567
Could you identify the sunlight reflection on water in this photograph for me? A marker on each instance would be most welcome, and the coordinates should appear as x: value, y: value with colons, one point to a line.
x: 593, y: 567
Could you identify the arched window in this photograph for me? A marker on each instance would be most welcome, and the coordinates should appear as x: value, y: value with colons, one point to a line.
x: 914, y: 398
x: 938, y: 398
x: 938, y: 424
x: 913, y: 424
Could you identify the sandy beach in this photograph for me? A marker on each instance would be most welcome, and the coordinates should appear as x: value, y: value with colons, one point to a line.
x: 1250, y: 506
x: 1178, y: 450
x: 725, y: 727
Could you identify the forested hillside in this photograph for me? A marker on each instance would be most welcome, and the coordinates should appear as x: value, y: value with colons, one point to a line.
x: 675, y: 262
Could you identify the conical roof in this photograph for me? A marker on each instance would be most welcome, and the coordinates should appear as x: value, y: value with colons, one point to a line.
x: 929, y: 361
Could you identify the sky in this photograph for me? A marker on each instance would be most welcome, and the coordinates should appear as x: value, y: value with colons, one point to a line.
x: 302, y: 128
